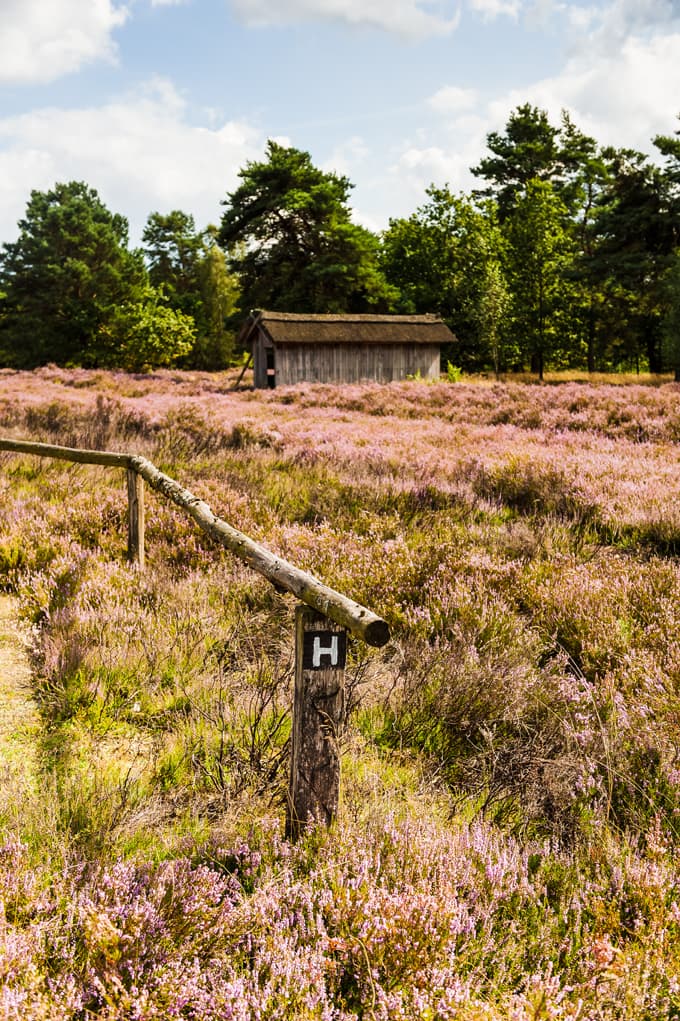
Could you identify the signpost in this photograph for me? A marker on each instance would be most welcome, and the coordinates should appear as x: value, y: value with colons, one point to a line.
x: 320, y: 656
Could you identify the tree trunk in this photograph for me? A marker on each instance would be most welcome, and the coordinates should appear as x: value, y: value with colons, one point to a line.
x: 591, y: 337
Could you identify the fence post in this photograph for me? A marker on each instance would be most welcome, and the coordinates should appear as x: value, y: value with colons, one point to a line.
x: 320, y: 653
x: 135, y: 488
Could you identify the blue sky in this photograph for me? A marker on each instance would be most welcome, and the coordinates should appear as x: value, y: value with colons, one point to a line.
x: 158, y: 103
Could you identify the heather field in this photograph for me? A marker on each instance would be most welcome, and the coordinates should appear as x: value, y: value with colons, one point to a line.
x: 509, y: 835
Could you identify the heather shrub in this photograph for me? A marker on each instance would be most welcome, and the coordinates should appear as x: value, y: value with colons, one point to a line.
x: 497, y: 727
x: 386, y: 919
x: 534, y: 488
x: 507, y: 836
x: 12, y: 559
x: 233, y: 737
x: 100, y: 427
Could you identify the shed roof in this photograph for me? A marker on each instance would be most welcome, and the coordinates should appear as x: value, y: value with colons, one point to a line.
x: 306, y: 328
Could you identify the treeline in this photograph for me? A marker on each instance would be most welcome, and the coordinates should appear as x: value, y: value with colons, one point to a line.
x: 567, y: 256
x: 73, y: 292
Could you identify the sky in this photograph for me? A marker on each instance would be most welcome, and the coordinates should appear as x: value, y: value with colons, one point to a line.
x: 157, y: 104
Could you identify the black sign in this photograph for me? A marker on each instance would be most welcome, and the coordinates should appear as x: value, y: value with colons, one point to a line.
x: 324, y: 650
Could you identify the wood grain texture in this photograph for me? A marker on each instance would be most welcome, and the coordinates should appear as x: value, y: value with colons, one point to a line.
x: 136, y: 520
x: 314, y: 789
x: 109, y: 458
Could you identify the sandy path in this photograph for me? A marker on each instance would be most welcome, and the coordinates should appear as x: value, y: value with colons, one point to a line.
x: 19, y: 720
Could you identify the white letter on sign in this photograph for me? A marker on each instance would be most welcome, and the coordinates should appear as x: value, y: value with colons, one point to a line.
x: 330, y: 650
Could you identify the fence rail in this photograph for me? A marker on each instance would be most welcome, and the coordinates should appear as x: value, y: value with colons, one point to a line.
x: 320, y: 627
x: 357, y: 619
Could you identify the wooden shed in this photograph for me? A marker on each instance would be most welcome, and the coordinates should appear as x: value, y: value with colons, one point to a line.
x: 294, y: 348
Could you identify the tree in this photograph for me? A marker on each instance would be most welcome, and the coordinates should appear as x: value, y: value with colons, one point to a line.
x: 585, y: 178
x: 538, y: 248
x: 174, y: 249
x: 298, y: 248
x: 190, y: 269
x: 671, y: 317
x: 420, y: 255
x: 146, y: 334
x: 220, y: 294
x: 528, y: 151
x: 438, y: 260
x: 65, y: 277
x: 637, y: 229
x: 669, y: 146
x: 492, y: 311
x: 531, y: 149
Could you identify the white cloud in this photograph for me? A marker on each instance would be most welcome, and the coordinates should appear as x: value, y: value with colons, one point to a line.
x: 621, y: 99
x: 410, y: 18
x: 491, y: 9
x: 39, y: 40
x: 140, y: 152
x: 622, y: 95
x: 347, y: 157
x: 416, y: 168
x: 451, y: 99
x: 539, y: 14
x: 624, y: 19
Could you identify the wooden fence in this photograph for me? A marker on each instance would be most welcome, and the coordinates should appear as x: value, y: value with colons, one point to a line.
x: 321, y: 626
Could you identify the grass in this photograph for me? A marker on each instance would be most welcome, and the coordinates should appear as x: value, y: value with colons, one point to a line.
x: 508, y: 834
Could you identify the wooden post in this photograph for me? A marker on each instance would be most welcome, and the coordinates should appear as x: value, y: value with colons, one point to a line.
x: 320, y: 652
x: 246, y: 365
x: 135, y: 488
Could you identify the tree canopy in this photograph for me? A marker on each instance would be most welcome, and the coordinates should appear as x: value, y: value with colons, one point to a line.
x: 72, y: 291
x: 190, y: 270
x: 565, y: 256
x: 64, y: 277
x: 298, y: 249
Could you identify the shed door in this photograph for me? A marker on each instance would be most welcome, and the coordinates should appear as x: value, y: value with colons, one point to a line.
x: 271, y: 367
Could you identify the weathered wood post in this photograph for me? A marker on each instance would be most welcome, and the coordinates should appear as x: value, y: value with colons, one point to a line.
x: 320, y: 654
x: 135, y: 488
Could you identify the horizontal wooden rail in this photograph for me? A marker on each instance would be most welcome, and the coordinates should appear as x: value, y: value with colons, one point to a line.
x: 356, y: 618
x: 108, y: 458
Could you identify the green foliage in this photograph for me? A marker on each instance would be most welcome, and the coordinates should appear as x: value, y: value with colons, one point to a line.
x: 220, y: 296
x: 636, y: 227
x: 620, y: 219
x: 422, y: 255
x: 538, y: 248
x: 147, y: 334
x: 528, y: 151
x: 299, y: 249
x: 563, y: 259
x: 671, y: 318
x: 492, y: 312
x: 190, y: 269
x: 438, y: 260
x: 173, y: 250
x: 65, y: 277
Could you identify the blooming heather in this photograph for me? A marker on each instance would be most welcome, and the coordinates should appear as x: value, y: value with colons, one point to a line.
x: 507, y: 840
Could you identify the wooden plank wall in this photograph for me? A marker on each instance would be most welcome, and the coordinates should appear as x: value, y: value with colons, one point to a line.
x: 354, y: 363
